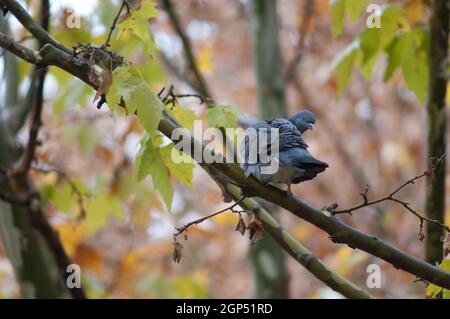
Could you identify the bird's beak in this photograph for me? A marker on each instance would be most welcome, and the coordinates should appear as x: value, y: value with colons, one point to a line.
x: 311, y: 127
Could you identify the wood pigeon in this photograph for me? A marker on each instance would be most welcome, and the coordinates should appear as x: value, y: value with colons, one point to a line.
x: 295, y: 163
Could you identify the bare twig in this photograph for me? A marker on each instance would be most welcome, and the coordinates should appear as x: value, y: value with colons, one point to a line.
x: 182, y: 229
x: 26, y: 160
x: 124, y: 5
x: 178, y: 247
x: 201, y: 85
x: 391, y: 197
x: 172, y: 98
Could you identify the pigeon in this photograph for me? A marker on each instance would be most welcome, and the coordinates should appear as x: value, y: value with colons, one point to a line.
x: 295, y: 163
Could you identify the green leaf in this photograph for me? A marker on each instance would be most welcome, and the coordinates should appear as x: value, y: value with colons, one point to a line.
x: 369, y: 41
x: 415, y: 66
x: 354, y: 9
x: 222, y: 116
x: 337, y: 16
x: 392, y: 21
x: 70, y: 37
x: 396, y: 52
x: 150, y: 162
x: 138, y: 25
x: 149, y: 108
x: 182, y: 169
x: 63, y: 198
x: 343, y: 66
x: 367, y: 67
x: 433, y: 290
x: 129, y: 86
x: 99, y: 209
x: 123, y: 84
x: 152, y: 72
x: 183, y: 115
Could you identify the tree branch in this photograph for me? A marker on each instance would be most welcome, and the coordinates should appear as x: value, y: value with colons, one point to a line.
x: 124, y: 5
x: 300, y: 253
x: 391, y: 197
x: 339, y: 232
x: 18, y: 176
x: 17, y: 49
x: 31, y: 25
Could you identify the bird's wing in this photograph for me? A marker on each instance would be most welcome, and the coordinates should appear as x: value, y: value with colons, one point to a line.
x: 290, y: 136
x: 300, y: 158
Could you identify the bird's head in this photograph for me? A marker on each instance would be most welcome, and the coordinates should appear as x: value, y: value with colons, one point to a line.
x: 304, y: 120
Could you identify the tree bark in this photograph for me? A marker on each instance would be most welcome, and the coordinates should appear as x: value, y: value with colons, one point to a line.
x: 438, y: 73
x: 27, y: 236
x: 268, y: 262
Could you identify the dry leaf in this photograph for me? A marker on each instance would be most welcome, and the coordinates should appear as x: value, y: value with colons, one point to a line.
x: 256, y: 230
x: 421, y: 235
x: 106, y: 81
x: 240, y: 227
x: 176, y: 255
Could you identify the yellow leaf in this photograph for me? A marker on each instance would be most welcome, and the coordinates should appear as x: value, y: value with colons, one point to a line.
x: 226, y: 218
x: 89, y: 258
x: 347, y: 259
x: 414, y: 11
x: 205, y: 59
x: 71, y: 235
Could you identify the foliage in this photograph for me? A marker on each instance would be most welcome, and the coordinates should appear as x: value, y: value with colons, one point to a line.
x: 401, y: 37
x: 222, y: 116
x: 434, y: 291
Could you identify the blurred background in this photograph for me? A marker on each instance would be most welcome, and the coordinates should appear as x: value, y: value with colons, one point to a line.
x: 374, y: 134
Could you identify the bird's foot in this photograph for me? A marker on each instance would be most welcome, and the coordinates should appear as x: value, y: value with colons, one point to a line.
x: 289, y: 191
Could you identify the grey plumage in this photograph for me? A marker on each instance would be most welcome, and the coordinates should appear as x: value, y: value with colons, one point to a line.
x: 296, y: 164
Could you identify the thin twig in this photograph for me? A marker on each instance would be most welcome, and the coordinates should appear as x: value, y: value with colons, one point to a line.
x: 33, y: 142
x: 24, y: 164
x: 182, y: 229
x: 391, y: 197
x: 172, y: 98
x: 124, y: 5
x: 201, y: 85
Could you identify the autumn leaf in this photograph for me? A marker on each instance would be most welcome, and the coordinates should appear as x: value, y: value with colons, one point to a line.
x: 177, y: 248
x: 105, y: 83
x: 256, y: 230
x: 240, y: 227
